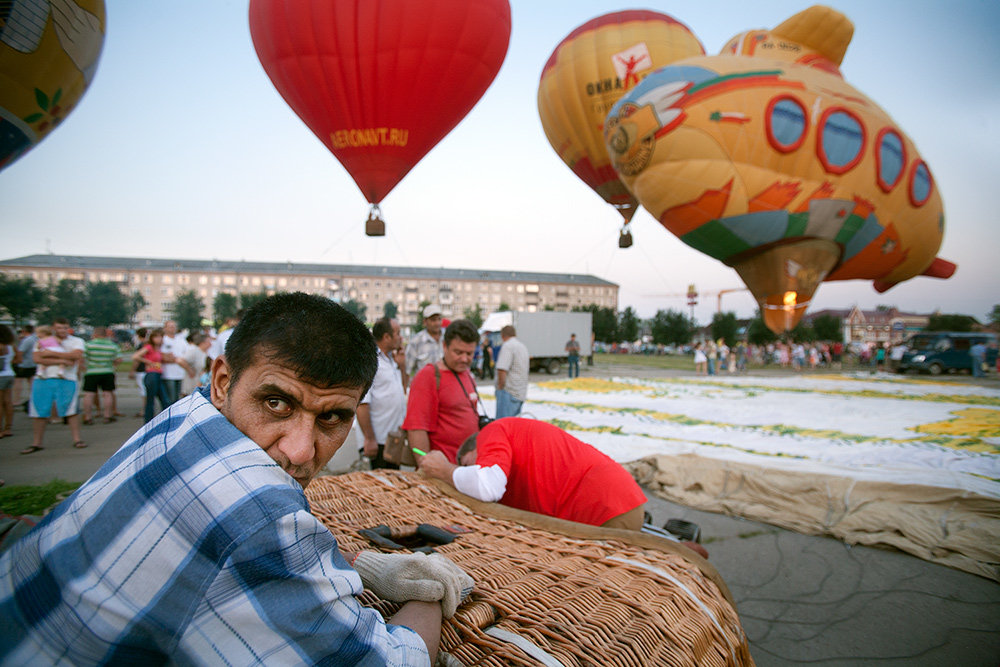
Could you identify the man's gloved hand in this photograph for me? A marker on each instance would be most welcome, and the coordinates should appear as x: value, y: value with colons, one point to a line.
x: 416, y: 576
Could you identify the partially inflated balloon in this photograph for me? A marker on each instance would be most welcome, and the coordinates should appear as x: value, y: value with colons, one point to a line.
x: 588, y: 72
x: 380, y: 82
x: 766, y: 159
x: 48, y: 55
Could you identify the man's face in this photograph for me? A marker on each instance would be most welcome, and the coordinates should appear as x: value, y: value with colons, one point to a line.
x: 299, y: 425
x: 468, y: 458
x: 397, y: 338
x: 433, y: 324
x: 458, y: 355
x: 170, y: 328
x: 60, y: 330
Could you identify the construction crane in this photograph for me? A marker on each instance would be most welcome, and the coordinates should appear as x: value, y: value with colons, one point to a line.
x: 692, y: 296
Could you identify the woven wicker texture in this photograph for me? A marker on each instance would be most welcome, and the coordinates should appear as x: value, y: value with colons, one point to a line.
x: 542, y: 597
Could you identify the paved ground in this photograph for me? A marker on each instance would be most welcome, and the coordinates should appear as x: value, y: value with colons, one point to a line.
x: 802, y: 599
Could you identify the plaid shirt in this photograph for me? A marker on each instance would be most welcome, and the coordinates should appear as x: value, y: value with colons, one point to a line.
x: 422, y: 350
x: 190, y: 545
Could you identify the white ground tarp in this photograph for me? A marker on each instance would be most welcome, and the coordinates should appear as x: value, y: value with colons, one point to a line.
x: 906, y: 462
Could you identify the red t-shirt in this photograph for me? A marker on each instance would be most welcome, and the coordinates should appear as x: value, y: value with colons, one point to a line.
x: 449, y: 414
x: 550, y: 472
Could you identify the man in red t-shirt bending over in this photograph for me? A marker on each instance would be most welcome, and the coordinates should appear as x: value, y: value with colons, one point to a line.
x: 442, y: 410
x: 535, y: 466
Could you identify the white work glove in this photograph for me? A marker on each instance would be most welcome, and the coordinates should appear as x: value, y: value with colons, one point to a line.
x: 415, y: 576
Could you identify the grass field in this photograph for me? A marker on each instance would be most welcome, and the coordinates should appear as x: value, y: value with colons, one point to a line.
x: 21, y: 500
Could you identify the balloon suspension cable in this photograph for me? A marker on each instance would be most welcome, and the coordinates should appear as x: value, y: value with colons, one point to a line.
x: 375, y: 225
x: 625, y: 237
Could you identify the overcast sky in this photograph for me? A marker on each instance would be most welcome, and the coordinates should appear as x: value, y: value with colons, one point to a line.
x: 183, y: 148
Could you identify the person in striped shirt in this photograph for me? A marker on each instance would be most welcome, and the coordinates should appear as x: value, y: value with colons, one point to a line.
x: 100, y: 354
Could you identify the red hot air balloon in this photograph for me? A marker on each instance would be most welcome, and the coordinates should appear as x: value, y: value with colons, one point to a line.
x: 380, y: 82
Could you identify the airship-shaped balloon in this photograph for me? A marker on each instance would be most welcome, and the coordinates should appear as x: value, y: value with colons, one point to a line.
x: 380, y: 82
x: 588, y: 72
x: 765, y: 158
x: 48, y: 55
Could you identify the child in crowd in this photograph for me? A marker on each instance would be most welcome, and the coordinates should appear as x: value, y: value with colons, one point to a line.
x: 48, y: 341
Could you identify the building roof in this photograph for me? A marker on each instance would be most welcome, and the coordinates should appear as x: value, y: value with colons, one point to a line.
x: 70, y: 262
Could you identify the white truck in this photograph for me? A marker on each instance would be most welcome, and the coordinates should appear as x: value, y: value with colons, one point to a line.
x: 544, y: 333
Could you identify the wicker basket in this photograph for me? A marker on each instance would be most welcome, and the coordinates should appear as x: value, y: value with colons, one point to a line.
x: 548, y: 591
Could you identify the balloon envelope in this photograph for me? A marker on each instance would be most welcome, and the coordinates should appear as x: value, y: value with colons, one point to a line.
x: 765, y: 158
x: 588, y: 72
x: 380, y: 82
x: 48, y: 56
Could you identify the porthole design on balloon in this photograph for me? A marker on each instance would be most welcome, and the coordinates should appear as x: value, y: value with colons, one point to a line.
x: 921, y: 183
x: 786, y: 122
x: 890, y: 159
x: 841, y: 140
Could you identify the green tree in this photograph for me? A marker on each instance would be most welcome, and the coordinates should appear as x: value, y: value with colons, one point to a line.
x: 419, y: 326
x: 604, y: 322
x: 724, y: 326
x: 994, y: 316
x: 224, y: 306
x: 804, y: 332
x: 66, y: 299
x: 670, y: 327
x: 20, y: 297
x: 884, y: 308
x: 628, y: 325
x: 136, y: 302
x: 105, y: 304
x: 504, y: 307
x: 758, y: 333
x: 248, y: 299
x: 954, y: 322
x: 355, y: 308
x: 390, y: 310
x: 474, y: 315
x: 187, y: 310
x: 548, y: 307
x: 828, y: 327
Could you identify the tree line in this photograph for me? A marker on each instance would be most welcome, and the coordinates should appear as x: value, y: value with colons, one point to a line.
x: 104, y: 304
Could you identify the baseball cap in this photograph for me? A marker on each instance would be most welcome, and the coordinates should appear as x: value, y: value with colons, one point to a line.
x: 432, y: 310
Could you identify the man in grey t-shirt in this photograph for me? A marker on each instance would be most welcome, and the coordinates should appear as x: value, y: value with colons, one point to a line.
x: 512, y: 374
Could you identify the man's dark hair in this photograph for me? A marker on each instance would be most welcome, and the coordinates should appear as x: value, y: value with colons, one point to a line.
x: 382, y: 328
x: 468, y: 446
x: 508, y: 331
x: 27, y: 328
x: 325, y: 344
x: 7, y: 336
x: 464, y: 330
x: 60, y: 320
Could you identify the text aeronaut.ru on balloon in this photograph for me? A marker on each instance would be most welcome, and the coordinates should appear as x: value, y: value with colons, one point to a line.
x: 373, y: 136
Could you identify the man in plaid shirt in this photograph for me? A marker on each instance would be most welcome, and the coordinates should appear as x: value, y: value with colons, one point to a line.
x: 194, y: 543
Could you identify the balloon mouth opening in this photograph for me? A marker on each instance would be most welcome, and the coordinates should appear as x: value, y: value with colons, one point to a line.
x: 783, y: 312
x: 784, y: 278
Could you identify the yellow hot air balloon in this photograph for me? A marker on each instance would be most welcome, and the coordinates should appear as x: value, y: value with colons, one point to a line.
x: 48, y: 55
x: 588, y: 72
x: 765, y: 158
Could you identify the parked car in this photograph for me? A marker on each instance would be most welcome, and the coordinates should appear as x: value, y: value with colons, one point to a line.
x: 939, y: 352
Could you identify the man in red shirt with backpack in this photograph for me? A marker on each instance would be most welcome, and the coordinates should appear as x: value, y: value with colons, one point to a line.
x: 443, y: 406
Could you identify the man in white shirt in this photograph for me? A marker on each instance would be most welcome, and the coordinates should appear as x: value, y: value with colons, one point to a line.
x: 62, y: 391
x: 384, y: 406
x: 512, y: 374
x: 173, y: 349
x: 218, y: 347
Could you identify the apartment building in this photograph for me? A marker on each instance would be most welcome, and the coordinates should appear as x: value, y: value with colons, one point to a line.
x: 160, y: 280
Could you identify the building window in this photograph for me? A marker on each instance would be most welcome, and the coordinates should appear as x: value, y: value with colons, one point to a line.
x: 786, y: 123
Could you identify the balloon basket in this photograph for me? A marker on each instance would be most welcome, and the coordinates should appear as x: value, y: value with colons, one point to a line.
x: 625, y: 238
x: 375, y: 225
